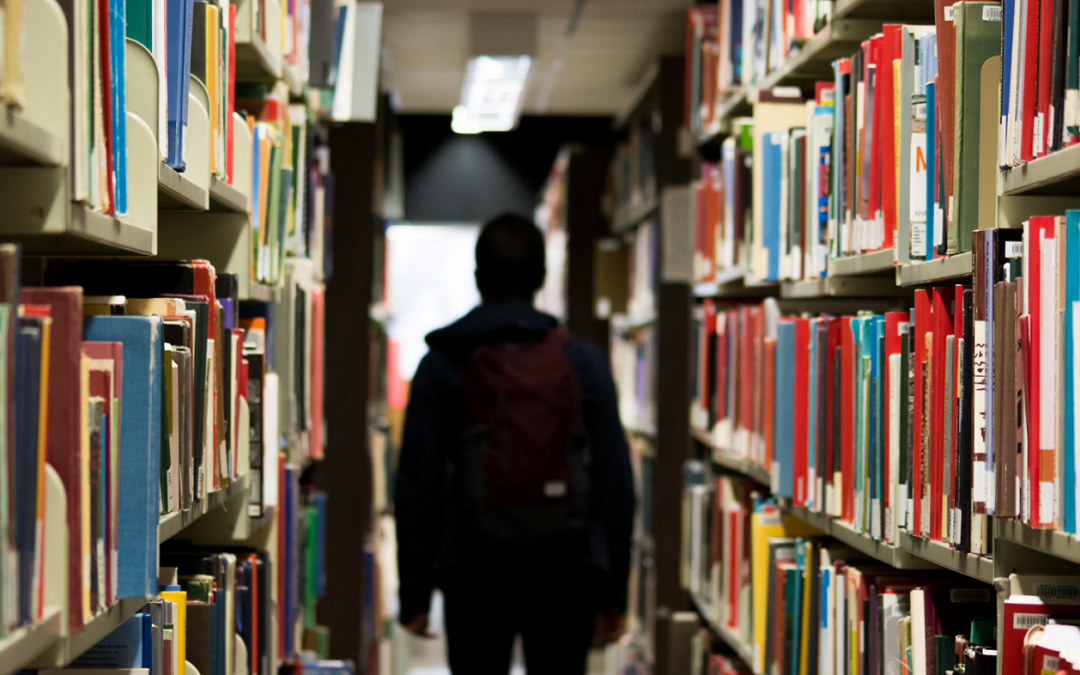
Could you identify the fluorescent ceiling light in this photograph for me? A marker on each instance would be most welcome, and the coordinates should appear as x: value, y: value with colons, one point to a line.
x: 491, y: 96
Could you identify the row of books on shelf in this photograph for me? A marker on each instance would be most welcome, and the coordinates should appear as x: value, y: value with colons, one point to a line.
x: 228, y: 610
x: 292, y: 185
x: 737, y: 43
x: 795, y: 601
x: 634, y: 171
x: 633, y: 357
x: 151, y: 376
x: 929, y: 420
x: 871, y: 162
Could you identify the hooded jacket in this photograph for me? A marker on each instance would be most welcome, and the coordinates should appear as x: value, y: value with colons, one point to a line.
x: 428, y: 544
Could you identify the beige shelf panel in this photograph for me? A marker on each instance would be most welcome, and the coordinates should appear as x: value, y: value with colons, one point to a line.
x: 975, y: 566
x: 940, y: 270
x: 176, y: 522
x: 1055, y: 174
x: 878, y: 262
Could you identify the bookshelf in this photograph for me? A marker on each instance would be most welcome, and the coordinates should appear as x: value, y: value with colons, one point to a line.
x: 879, y: 281
x: 211, y: 204
x: 648, y: 335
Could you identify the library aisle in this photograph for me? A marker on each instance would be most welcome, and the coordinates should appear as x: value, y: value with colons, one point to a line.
x: 828, y: 250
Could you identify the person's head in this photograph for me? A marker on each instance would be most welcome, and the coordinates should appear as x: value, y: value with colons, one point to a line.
x: 509, y: 259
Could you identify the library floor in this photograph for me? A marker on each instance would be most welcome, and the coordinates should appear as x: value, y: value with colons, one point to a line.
x: 428, y: 657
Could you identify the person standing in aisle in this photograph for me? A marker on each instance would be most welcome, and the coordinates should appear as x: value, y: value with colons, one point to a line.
x: 515, y: 494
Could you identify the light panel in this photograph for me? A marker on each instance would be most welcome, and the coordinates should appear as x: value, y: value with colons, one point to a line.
x: 492, y: 94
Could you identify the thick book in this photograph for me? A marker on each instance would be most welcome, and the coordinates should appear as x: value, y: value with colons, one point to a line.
x: 978, y: 39
x: 64, y: 445
x: 140, y: 435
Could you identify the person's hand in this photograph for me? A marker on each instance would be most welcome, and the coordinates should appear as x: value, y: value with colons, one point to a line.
x: 610, y: 626
x: 418, y: 626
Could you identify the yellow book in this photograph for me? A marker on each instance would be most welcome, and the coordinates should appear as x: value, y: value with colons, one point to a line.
x: 43, y: 433
x: 212, y: 85
x: 84, y: 473
x: 180, y: 627
x: 805, y: 621
x: 147, y: 306
x: 766, y: 523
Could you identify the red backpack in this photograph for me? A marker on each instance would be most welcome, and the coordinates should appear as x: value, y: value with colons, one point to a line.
x: 525, y: 456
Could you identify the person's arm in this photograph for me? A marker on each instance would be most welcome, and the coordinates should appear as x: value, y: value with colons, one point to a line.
x: 419, y: 497
x: 612, y: 476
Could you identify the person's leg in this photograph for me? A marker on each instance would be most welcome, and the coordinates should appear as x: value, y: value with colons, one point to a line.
x: 480, y: 625
x: 558, y: 622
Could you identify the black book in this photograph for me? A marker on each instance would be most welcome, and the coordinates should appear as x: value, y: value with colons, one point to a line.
x: 964, y: 423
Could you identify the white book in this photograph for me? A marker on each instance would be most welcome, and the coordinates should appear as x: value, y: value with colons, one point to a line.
x: 918, y: 631
x: 1048, y: 376
x: 893, y: 486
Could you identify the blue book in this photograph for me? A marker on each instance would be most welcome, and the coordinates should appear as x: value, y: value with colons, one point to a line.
x: 28, y: 339
x: 783, y: 418
x: 140, y: 446
x: 772, y: 170
x: 128, y: 646
x: 931, y: 159
x: 1072, y: 297
x: 256, y: 197
x: 118, y: 68
x: 880, y: 460
x: 328, y: 668
x: 736, y: 40
x: 1008, y: 9
x: 178, y: 70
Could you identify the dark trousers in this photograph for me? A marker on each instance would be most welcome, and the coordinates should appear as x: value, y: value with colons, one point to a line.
x: 552, y: 609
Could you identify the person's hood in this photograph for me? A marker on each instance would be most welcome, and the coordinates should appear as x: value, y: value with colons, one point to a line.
x: 492, y: 322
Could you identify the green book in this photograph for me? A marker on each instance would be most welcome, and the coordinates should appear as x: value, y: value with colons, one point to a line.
x: 944, y: 654
x: 978, y: 39
x: 140, y: 22
x: 198, y: 587
x: 273, y: 201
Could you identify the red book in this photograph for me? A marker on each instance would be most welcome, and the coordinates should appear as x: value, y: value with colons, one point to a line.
x: 799, y: 416
x: 746, y: 384
x: 1022, y: 612
x: 1024, y: 331
x: 318, y: 368
x: 712, y: 215
x: 945, y: 91
x: 918, y: 439
x: 63, y: 445
x: 757, y: 325
x: 721, y: 374
x: 943, y: 328
x: 708, y: 335
x: 832, y: 399
x: 769, y: 414
x: 1028, y: 91
x: 1046, y: 57
x: 106, y: 102
x: 887, y: 99
x: 112, y: 351
x: 1041, y: 452
x: 847, y: 420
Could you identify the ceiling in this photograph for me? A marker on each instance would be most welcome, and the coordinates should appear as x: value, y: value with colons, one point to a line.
x: 602, y: 63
